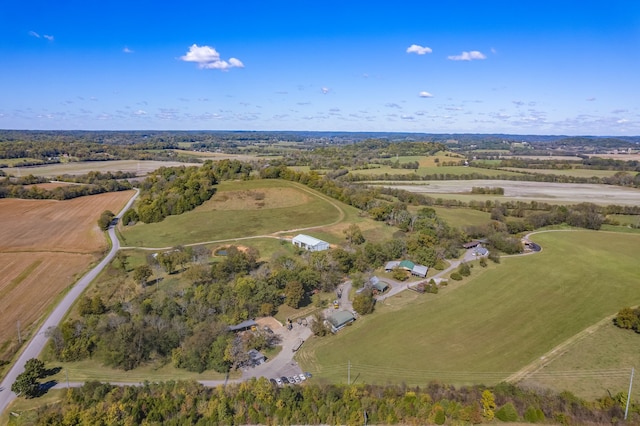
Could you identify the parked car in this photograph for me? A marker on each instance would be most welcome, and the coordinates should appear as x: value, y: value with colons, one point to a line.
x: 284, y: 380
x: 302, y: 377
x: 309, y: 375
x: 279, y: 381
x: 292, y: 380
x: 273, y: 381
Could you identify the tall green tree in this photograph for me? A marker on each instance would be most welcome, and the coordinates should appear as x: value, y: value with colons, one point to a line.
x: 294, y: 293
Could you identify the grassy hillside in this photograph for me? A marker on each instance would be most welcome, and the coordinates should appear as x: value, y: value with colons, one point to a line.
x: 497, y: 322
x: 239, y: 209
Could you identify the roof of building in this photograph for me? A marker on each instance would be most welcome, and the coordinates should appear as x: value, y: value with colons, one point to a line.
x: 392, y: 264
x: 420, y: 270
x: 374, y: 280
x: 481, y: 251
x: 255, y: 355
x: 407, y: 264
x: 380, y: 285
x: 340, y: 318
x: 243, y: 325
x: 471, y: 244
x: 308, y: 240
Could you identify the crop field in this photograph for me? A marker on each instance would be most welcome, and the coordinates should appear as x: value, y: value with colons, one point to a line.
x: 81, y: 168
x: 491, y: 324
x: 526, y: 191
x: 44, y: 247
x: 239, y: 209
x: 431, y: 170
x: 586, y: 173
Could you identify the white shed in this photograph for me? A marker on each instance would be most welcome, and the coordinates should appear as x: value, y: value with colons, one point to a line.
x: 309, y: 243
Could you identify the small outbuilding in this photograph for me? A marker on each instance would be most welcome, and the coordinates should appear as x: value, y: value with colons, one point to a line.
x: 256, y: 357
x: 243, y: 326
x: 378, y: 285
x: 309, y: 243
x: 471, y: 244
x: 420, y: 271
x: 340, y: 319
x: 481, y: 251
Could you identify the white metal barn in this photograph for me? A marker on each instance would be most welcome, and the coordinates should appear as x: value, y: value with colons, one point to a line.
x: 309, y: 243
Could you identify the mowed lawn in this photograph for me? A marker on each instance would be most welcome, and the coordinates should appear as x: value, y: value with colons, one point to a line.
x: 484, y: 328
x: 239, y: 209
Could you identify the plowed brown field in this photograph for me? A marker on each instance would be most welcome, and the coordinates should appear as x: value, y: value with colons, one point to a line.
x: 45, y: 246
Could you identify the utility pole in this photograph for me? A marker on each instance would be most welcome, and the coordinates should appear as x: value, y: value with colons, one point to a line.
x: 349, y: 373
x: 626, y: 411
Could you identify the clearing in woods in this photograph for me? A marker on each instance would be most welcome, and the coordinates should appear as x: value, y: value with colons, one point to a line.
x: 45, y: 245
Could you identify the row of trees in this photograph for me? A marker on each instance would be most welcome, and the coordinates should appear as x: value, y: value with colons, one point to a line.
x: 260, y: 402
x: 96, y: 183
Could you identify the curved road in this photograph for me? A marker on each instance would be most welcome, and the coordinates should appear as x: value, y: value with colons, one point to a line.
x: 39, y: 340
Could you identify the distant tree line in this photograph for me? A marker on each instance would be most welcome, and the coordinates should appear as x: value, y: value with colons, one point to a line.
x: 259, y: 402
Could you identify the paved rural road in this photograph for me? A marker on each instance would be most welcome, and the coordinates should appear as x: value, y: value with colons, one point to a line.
x: 39, y: 340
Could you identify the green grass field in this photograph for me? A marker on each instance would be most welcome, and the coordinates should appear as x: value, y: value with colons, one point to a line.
x: 236, y: 211
x: 489, y: 325
x: 569, y: 172
x: 601, y: 361
x: 461, y: 217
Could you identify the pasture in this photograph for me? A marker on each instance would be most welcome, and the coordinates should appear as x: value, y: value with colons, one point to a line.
x: 237, y: 210
x: 491, y: 324
x: 553, y: 193
x: 45, y: 245
x: 600, y: 361
x: 461, y: 217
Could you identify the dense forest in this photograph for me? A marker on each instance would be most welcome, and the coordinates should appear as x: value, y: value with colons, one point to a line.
x: 260, y: 402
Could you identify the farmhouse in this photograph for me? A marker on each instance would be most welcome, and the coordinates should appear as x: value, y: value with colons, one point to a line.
x: 407, y: 265
x: 309, y: 243
x: 340, y: 319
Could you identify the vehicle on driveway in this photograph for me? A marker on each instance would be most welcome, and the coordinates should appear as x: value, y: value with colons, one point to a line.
x: 279, y: 381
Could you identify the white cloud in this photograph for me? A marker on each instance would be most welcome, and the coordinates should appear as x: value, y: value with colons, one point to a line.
x: 140, y: 112
x: 48, y: 37
x: 424, y: 94
x: 468, y: 56
x: 325, y: 90
x: 420, y: 50
x: 622, y: 121
x: 208, y: 58
x: 127, y: 50
x: 34, y: 34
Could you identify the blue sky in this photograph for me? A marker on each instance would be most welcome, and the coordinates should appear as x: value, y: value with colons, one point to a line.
x: 523, y: 67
